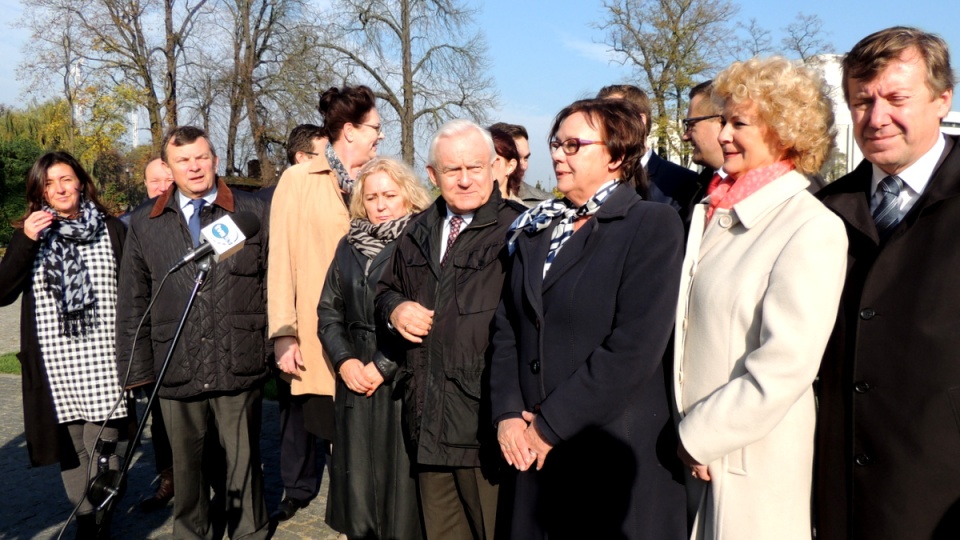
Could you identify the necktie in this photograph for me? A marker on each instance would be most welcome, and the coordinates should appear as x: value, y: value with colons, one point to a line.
x: 887, y: 212
x: 194, y: 223
x: 455, y: 223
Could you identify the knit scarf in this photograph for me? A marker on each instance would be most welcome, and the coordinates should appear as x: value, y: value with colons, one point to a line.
x: 66, y: 273
x: 343, y: 176
x: 370, y: 239
x: 539, y: 217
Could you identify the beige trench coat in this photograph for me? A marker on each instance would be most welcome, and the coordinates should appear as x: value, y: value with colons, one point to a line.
x: 308, y: 218
x: 758, y: 298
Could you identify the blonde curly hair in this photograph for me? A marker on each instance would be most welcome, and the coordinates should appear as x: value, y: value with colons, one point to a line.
x: 415, y: 197
x: 792, y: 102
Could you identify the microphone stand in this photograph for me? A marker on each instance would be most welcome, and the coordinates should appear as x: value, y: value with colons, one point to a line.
x: 108, y: 487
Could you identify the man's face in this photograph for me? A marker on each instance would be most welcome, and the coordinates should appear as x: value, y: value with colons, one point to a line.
x: 194, y: 167
x: 156, y: 178
x: 896, y: 117
x: 523, y: 148
x: 462, y: 171
x: 702, y: 135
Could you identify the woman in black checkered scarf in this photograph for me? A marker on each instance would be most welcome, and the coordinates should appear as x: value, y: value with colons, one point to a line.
x: 63, y: 258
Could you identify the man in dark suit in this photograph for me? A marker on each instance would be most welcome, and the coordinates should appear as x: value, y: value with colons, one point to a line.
x: 888, y: 437
x: 669, y: 183
x: 701, y: 129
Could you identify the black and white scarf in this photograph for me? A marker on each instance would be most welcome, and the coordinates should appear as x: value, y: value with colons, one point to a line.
x: 343, y: 175
x: 541, y: 216
x: 370, y: 239
x: 65, y: 271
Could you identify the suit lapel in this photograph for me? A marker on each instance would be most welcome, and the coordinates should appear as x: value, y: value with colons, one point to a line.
x: 532, y: 250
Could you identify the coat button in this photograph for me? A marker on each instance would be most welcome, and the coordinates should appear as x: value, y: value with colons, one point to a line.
x: 867, y: 314
x: 536, y: 324
x: 535, y: 367
x: 725, y: 221
x: 862, y: 460
x: 861, y: 387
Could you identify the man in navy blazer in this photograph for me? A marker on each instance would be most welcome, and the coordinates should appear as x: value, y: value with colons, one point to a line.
x: 888, y: 436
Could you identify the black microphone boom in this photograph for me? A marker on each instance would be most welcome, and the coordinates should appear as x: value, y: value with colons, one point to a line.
x: 246, y: 222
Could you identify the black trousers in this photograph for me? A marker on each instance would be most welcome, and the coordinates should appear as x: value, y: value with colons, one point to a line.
x: 299, y: 470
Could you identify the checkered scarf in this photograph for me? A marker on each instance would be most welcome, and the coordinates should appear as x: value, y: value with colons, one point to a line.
x: 539, y: 217
x: 65, y: 271
x: 370, y: 239
x: 343, y: 176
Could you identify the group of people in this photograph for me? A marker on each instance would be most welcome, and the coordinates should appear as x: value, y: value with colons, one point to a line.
x: 739, y: 353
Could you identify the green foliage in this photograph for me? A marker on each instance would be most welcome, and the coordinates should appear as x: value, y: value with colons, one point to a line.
x: 9, y: 364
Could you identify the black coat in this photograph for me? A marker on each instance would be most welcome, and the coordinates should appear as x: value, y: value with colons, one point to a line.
x: 373, y: 493
x: 442, y: 378
x: 223, y: 347
x: 888, y: 438
x: 584, y: 348
x: 670, y: 183
x: 16, y: 278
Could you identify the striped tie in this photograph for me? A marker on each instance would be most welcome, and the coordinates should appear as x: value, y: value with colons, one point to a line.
x: 455, y: 222
x: 887, y: 213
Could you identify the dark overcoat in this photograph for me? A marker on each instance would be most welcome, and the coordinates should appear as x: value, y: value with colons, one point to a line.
x: 584, y: 349
x: 888, y: 438
x: 16, y: 278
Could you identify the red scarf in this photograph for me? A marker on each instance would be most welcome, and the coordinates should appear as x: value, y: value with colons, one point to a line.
x: 731, y: 190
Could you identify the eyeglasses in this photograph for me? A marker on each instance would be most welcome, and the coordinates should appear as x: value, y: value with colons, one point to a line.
x: 572, y: 145
x: 375, y: 127
x: 688, y: 123
x: 310, y: 153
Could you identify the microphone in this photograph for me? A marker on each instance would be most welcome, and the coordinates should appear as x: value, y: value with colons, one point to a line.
x: 222, y: 238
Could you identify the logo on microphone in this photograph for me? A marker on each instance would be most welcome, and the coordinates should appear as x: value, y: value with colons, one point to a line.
x: 223, y: 233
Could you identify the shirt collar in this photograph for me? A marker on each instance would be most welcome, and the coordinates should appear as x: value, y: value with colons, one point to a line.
x: 915, y: 176
x: 646, y: 157
x: 184, y: 201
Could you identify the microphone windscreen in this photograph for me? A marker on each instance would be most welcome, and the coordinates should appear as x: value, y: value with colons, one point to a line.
x: 247, y: 222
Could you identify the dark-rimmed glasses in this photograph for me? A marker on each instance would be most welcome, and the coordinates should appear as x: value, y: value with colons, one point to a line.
x: 572, y: 145
x: 688, y: 123
x: 375, y: 127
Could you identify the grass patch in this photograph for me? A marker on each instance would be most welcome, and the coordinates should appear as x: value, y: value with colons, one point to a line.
x: 9, y: 364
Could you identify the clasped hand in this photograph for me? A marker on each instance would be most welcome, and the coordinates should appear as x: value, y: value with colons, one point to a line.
x: 520, y: 442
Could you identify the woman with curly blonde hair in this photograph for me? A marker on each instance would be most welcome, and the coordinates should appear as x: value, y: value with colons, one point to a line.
x: 761, y: 282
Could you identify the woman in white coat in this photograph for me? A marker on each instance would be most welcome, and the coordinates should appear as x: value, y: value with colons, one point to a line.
x: 761, y: 282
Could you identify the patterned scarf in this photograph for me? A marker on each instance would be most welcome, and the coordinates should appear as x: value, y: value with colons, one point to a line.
x: 539, y: 217
x: 731, y: 190
x: 370, y: 239
x: 343, y: 176
x: 66, y: 272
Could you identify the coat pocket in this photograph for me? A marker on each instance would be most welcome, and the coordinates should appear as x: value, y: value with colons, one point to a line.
x: 737, y: 462
x: 183, y: 366
x: 478, y: 285
x: 461, y: 408
x: 247, y: 344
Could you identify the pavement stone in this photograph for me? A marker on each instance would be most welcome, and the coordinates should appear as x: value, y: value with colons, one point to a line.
x: 35, y: 505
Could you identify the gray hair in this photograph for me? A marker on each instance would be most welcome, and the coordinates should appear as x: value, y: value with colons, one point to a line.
x: 454, y: 128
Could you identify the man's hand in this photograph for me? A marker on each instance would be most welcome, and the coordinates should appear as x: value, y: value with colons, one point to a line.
x: 287, y: 351
x: 412, y: 321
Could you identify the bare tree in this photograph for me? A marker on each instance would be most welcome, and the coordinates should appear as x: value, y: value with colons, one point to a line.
x: 757, y: 41
x: 421, y: 57
x: 806, y: 37
x: 671, y: 44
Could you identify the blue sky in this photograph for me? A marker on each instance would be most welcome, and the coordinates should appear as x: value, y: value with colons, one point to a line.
x: 545, y: 54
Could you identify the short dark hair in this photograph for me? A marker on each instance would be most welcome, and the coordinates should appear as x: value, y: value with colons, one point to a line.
x: 705, y: 89
x: 632, y: 94
x: 182, y: 136
x: 514, y: 130
x: 37, y: 183
x: 507, y: 148
x: 301, y: 140
x: 625, y: 136
x: 347, y: 105
x: 871, y: 55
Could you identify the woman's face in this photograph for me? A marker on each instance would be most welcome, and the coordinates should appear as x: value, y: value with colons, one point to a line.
x: 382, y: 198
x: 62, y: 190
x: 502, y: 169
x: 580, y: 175
x: 367, y: 136
x: 746, y: 141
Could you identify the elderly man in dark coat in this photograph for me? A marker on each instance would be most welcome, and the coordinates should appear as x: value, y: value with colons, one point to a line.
x: 888, y: 437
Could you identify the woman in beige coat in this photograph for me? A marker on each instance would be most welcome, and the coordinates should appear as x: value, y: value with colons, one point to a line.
x: 308, y: 217
x: 761, y: 283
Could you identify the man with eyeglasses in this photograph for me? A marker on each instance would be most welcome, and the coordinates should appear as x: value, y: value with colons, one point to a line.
x: 439, y: 296
x: 701, y: 128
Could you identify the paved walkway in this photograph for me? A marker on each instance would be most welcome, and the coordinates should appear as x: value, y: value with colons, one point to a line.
x: 35, y: 505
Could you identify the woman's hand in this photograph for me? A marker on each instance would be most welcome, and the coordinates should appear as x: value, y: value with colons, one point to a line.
x: 351, y: 371
x: 287, y: 351
x: 36, y: 223
x: 513, y: 444
x: 535, y: 441
x: 373, y: 375
x: 697, y: 470
x: 412, y: 321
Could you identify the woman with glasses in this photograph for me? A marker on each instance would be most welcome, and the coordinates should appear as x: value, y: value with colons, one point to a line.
x: 63, y: 258
x: 577, y: 384
x: 308, y: 217
x: 760, y: 287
